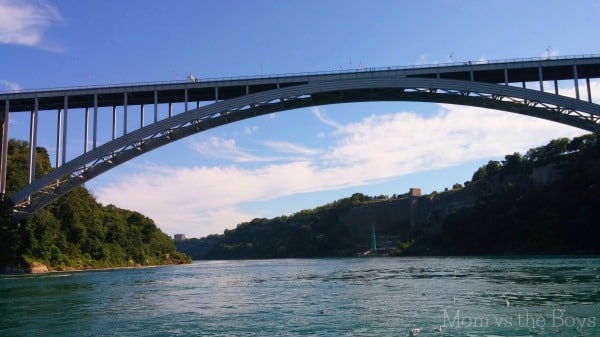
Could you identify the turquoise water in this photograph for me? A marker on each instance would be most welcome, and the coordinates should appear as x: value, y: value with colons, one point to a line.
x: 321, y: 297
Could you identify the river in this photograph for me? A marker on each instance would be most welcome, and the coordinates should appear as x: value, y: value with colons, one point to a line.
x: 545, y: 296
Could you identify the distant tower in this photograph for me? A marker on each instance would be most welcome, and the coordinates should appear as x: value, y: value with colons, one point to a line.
x: 179, y: 237
x: 373, y: 240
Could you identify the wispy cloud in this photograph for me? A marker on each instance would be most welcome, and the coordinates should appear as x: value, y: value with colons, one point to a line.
x: 324, y: 118
x: 421, y: 60
x: 290, y: 148
x: 24, y: 22
x: 249, y: 130
x: 226, y: 149
x: 9, y: 86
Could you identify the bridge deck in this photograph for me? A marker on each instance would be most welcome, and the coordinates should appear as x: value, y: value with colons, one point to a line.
x: 567, y: 68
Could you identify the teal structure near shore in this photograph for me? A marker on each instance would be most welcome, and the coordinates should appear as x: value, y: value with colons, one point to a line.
x: 373, y: 240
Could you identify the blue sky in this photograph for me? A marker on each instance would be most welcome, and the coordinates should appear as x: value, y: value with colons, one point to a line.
x: 285, y: 162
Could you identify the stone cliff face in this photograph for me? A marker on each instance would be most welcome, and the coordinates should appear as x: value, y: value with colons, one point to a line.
x: 391, y: 218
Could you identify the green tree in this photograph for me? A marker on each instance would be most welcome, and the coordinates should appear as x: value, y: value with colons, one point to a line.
x: 9, y: 235
x: 512, y: 163
x: 553, y: 149
x: 582, y: 142
x: 480, y: 174
x: 493, y: 167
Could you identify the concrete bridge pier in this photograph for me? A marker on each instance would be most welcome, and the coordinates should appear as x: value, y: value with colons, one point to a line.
x: 3, y: 147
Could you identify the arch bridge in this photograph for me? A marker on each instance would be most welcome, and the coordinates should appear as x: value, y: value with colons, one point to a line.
x: 525, y: 86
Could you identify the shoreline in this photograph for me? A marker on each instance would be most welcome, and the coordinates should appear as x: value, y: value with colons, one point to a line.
x: 44, y: 270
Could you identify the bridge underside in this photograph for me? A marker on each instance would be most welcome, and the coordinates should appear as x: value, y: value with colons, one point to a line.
x: 561, y: 109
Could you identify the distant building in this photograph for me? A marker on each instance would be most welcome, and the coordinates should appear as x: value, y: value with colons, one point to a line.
x: 179, y: 237
x: 414, y: 192
x: 414, y: 214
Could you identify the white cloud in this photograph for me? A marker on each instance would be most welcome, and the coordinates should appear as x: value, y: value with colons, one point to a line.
x: 226, y: 149
x: 203, y: 200
x: 290, y: 148
x: 9, y: 86
x: 249, y: 130
x: 24, y: 22
x: 422, y: 60
x: 405, y: 142
x: 482, y: 60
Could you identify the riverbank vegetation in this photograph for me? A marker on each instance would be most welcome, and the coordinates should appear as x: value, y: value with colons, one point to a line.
x: 75, y: 231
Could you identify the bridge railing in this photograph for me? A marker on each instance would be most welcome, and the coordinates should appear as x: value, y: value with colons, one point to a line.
x: 309, y: 73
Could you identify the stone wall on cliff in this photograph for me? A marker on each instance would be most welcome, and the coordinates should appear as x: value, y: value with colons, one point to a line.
x: 390, y: 218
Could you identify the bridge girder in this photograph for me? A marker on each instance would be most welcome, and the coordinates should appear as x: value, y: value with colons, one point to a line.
x: 561, y: 109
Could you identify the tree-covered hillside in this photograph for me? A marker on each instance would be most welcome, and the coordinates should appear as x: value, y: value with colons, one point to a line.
x: 308, y: 233
x: 76, y: 231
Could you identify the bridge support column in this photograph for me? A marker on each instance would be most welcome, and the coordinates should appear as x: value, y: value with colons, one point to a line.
x: 95, y: 136
x: 4, y: 148
x: 61, y: 133
x: 59, y: 138
x: 65, y: 128
x: 86, y: 130
x: 185, y: 93
x: 576, y: 81
x: 114, y: 123
x: 124, y: 114
x: 155, y: 106
x: 33, y: 141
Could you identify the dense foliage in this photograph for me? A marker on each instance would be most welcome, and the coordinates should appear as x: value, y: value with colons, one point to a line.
x: 76, y: 231
x: 513, y: 215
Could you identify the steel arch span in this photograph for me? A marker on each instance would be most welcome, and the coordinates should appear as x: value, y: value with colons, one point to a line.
x: 561, y: 109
